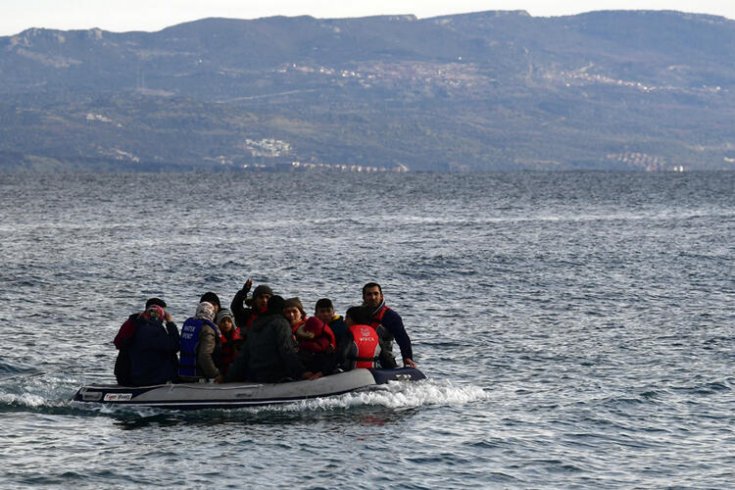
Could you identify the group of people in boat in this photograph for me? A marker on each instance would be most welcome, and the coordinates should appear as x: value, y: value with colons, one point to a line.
x: 262, y: 337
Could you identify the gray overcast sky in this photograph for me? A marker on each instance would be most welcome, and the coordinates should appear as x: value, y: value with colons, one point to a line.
x: 153, y: 15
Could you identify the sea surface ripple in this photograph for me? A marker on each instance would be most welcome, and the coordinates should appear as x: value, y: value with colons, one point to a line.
x: 576, y: 328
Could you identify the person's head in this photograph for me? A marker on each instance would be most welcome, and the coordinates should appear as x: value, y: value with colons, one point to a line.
x: 372, y: 295
x: 324, y: 310
x: 212, y: 299
x: 154, y: 312
x: 294, y: 311
x: 155, y: 301
x: 314, y: 325
x: 275, y: 305
x: 358, y: 315
x: 205, y: 311
x: 224, y: 320
x: 261, y: 295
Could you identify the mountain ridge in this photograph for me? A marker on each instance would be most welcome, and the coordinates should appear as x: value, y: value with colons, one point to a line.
x: 615, y: 90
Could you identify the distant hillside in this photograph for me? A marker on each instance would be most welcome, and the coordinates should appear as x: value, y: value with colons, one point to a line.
x: 486, y: 91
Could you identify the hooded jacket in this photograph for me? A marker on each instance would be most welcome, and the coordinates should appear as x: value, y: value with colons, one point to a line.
x: 268, y: 354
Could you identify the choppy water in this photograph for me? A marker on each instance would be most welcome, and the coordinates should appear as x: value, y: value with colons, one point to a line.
x: 577, y: 328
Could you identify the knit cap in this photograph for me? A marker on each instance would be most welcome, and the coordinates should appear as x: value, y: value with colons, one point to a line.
x: 224, y: 313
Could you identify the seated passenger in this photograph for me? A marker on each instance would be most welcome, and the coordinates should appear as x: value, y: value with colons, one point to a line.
x: 294, y: 313
x: 123, y: 341
x: 201, y: 352
x: 230, y: 338
x: 153, y: 348
x: 389, y: 325
x: 316, y: 346
x: 324, y: 310
x: 269, y: 352
x: 257, y: 305
x: 363, y: 348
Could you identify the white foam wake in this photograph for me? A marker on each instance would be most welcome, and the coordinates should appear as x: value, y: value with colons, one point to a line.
x: 398, y: 395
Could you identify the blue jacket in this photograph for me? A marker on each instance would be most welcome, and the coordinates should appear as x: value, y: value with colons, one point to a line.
x: 153, y: 353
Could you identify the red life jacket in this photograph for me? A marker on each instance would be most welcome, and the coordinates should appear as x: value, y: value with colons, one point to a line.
x: 229, y: 347
x: 378, y: 317
x: 315, y: 336
x: 383, y: 333
x: 366, y: 346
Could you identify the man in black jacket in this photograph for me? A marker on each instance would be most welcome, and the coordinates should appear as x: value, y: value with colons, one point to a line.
x: 269, y: 352
x: 153, y: 348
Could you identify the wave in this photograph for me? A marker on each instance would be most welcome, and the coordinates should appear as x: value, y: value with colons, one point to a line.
x: 398, y: 396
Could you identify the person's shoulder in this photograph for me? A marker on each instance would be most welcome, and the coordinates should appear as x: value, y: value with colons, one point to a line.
x: 277, y: 321
x: 390, y: 313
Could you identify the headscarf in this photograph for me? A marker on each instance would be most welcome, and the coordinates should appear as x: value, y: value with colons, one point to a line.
x: 205, y: 311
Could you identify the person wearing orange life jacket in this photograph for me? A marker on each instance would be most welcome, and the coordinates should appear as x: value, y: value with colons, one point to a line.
x: 362, y: 348
x: 389, y: 326
x: 324, y: 310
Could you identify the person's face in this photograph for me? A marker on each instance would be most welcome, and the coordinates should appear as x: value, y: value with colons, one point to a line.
x: 372, y: 297
x: 261, y: 301
x: 292, y: 314
x: 325, y: 314
x: 226, y: 324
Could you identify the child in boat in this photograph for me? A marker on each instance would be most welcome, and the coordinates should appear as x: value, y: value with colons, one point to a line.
x: 324, y: 310
x: 230, y: 338
x: 316, y: 345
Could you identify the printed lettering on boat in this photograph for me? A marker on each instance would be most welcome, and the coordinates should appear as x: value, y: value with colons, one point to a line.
x: 118, y: 397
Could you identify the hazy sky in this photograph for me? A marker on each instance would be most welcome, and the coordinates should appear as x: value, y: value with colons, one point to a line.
x: 153, y: 15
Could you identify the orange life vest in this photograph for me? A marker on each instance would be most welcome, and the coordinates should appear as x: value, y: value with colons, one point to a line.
x: 366, y: 346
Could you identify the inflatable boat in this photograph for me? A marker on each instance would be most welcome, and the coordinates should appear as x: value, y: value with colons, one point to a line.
x: 233, y: 395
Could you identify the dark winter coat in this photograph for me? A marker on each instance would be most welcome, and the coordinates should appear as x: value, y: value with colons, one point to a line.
x: 152, y: 353
x: 268, y: 354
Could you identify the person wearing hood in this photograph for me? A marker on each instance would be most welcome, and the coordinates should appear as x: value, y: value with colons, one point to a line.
x: 257, y: 305
x: 294, y: 313
x: 389, y: 326
x: 269, y: 352
x: 152, y: 348
x: 201, y: 352
x: 124, y: 340
x: 231, y: 338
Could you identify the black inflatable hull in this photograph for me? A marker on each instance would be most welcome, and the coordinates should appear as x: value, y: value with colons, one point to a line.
x: 233, y: 395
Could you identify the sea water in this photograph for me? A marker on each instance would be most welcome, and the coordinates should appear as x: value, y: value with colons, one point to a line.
x: 576, y: 328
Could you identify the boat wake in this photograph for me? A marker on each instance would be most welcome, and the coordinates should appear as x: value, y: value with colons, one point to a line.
x: 33, y: 391
x: 397, y: 396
